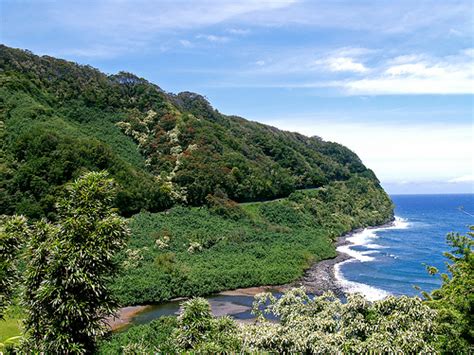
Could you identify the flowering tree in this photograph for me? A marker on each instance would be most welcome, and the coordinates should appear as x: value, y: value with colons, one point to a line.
x: 326, y: 325
x: 198, y: 330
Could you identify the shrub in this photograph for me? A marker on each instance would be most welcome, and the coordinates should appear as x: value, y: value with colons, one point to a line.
x: 221, y: 205
x: 198, y: 330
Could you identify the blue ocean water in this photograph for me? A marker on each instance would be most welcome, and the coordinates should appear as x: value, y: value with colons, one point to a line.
x: 390, y: 260
x: 384, y: 260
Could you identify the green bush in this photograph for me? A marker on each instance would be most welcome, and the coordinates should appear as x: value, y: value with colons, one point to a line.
x: 454, y: 301
x: 198, y: 330
x: 326, y: 325
x: 154, y: 337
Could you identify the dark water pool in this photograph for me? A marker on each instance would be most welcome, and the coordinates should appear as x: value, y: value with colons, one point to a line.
x: 238, y: 307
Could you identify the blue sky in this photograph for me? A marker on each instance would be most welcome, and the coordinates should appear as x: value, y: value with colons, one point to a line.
x: 392, y: 80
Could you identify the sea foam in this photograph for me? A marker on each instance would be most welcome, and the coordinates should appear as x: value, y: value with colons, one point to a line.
x: 371, y: 293
x: 364, y: 238
x: 398, y: 223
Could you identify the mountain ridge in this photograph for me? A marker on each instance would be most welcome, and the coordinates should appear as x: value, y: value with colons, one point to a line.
x: 60, y: 118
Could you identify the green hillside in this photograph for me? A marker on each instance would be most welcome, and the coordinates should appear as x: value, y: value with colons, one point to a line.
x: 199, y: 251
x: 59, y: 119
x: 215, y: 202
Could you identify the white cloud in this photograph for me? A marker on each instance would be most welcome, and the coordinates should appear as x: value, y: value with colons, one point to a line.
x: 310, y: 61
x: 455, y: 32
x: 345, y: 64
x: 404, y: 59
x: 238, y: 31
x: 419, y: 75
x: 114, y: 22
x: 464, y: 178
x: 147, y: 16
x: 416, y: 69
x: 408, y: 74
x: 468, y: 52
x: 213, y: 38
x: 409, y: 86
x: 185, y: 43
x: 260, y: 62
x: 139, y: 17
x: 387, y: 17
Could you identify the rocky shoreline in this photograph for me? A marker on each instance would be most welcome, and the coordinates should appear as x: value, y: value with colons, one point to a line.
x: 320, y: 277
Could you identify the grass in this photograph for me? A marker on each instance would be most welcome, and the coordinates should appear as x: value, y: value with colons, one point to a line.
x: 9, y: 328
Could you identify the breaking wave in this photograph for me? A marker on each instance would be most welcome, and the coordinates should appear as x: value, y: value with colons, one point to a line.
x: 364, y: 240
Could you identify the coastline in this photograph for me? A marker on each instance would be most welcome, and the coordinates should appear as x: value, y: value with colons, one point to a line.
x: 319, y: 278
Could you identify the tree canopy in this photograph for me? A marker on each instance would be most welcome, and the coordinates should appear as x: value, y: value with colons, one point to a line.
x: 59, y: 119
x: 69, y: 265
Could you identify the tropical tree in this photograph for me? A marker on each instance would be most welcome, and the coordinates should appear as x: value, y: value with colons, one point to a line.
x: 454, y: 300
x: 69, y: 266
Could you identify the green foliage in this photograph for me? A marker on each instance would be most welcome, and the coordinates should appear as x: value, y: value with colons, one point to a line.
x: 306, y: 325
x: 221, y: 205
x: 326, y: 325
x: 440, y: 324
x: 154, y: 337
x: 198, y: 251
x: 454, y: 301
x: 69, y: 265
x: 194, y: 330
x: 357, y: 202
x: 198, y: 330
x: 54, y: 127
x: 12, y: 232
x: 59, y: 119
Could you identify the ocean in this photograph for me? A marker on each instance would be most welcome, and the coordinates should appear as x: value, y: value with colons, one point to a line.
x: 384, y: 261
x: 391, y: 260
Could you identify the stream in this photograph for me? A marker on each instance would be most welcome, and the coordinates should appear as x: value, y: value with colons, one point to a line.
x: 238, y: 307
x: 237, y: 304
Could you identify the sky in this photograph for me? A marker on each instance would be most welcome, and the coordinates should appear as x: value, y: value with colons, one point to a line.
x: 392, y: 80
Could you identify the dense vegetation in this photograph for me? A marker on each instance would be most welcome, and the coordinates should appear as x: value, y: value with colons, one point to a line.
x: 65, y: 294
x: 454, y: 301
x: 319, y: 325
x: 197, y: 251
x: 10, y: 241
x: 58, y: 119
x: 442, y: 323
x: 69, y: 265
x: 168, y: 153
